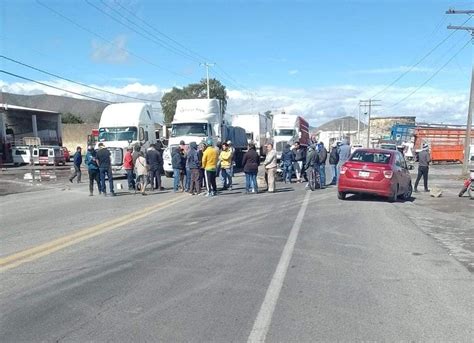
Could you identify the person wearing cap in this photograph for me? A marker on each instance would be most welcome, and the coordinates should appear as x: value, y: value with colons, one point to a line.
x: 270, y: 164
x: 209, y: 163
x: 105, y: 169
x: 225, y: 157
x: 93, y: 169
x: 77, y: 165
x: 232, y: 156
x: 128, y: 166
x: 424, y: 160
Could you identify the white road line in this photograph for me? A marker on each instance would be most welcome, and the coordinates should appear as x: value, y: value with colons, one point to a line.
x: 264, y: 317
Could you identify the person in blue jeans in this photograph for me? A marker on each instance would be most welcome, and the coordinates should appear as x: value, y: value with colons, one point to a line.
x: 323, y: 155
x: 287, y: 160
x: 176, y: 165
x: 105, y: 168
x: 250, y: 162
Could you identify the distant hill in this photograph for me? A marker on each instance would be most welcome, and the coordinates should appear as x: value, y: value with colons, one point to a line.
x: 345, y: 123
x: 88, y: 110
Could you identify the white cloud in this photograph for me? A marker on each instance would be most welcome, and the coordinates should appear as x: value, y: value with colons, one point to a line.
x: 318, y: 105
x: 400, y: 69
x: 114, y: 52
x: 293, y: 72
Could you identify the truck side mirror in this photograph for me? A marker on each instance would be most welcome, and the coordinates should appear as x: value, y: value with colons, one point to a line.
x: 141, y: 134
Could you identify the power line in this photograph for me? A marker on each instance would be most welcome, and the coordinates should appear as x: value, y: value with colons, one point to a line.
x: 75, y: 82
x: 418, y: 62
x: 58, y: 88
x: 108, y: 41
x: 159, y: 32
x: 154, y: 38
x: 432, y: 76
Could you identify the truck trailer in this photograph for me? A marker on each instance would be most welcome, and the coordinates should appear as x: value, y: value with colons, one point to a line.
x: 196, y: 120
x: 257, y: 127
x: 446, y: 142
x: 288, y: 129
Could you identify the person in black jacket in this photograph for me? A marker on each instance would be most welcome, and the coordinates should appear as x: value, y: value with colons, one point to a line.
x: 155, y: 161
x: 333, y: 161
x: 176, y: 165
x: 250, y: 161
x: 323, y: 155
x: 300, y: 158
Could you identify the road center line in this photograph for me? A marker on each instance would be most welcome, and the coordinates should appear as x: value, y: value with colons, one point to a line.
x: 264, y: 317
x: 48, y: 248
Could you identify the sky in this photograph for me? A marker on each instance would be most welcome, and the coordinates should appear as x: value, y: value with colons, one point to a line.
x: 308, y: 57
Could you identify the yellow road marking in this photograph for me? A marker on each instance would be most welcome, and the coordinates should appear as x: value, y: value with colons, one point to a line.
x: 48, y: 248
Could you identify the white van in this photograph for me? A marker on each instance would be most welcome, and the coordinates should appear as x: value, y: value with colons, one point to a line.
x: 22, y: 155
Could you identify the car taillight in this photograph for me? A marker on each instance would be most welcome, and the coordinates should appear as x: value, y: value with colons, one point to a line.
x: 388, y: 174
x: 343, y: 170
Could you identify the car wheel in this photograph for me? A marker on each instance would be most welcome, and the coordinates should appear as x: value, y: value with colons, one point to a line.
x: 341, y: 195
x: 393, y: 197
x: 407, y: 194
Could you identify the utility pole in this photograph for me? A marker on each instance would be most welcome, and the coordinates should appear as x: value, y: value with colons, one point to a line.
x: 370, y: 103
x: 207, y: 65
x: 467, y: 139
x: 358, y: 126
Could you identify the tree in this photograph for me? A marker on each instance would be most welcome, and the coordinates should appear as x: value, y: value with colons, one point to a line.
x: 192, y: 91
x: 168, y: 103
x: 69, y: 118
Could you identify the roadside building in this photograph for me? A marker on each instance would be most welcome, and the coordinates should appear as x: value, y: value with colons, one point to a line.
x: 18, y: 124
x: 339, y: 129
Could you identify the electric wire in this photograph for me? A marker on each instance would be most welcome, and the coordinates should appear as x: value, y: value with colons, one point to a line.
x: 160, y: 32
x: 153, y: 37
x: 75, y: 82
x: 57, y: 88
x: 432, y: 76
x: 418, y: 62
x: 110, y: 42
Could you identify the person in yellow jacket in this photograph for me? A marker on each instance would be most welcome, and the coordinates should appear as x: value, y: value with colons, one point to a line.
x: 209, y: 164
x: 225, y: 158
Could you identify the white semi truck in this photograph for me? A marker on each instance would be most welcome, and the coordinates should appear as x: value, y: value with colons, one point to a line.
x: 257, y: 127
x: 287, y: 129
x: 123, y: 125
x: 196, y: 120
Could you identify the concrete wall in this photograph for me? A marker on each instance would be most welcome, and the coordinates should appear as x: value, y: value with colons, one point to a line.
x: 75, y: 135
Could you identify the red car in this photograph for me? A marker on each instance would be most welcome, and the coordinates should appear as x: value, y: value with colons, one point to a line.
x: 67, y: 154
x: 375, y: 171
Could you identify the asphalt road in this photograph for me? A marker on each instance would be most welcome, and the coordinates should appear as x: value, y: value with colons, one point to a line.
x: 293, y: 266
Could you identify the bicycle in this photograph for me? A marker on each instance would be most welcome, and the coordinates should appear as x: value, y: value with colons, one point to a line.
x: 313, y: 178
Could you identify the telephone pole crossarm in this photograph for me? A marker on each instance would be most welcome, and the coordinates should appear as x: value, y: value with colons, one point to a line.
x: 467, y: 139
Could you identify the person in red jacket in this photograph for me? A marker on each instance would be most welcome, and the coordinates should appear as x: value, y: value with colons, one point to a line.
x: 128, y: 166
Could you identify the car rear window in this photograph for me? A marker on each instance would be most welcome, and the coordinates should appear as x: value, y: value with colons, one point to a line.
x: 371, y: 157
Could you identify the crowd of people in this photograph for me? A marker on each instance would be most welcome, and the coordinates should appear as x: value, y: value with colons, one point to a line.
x: 197, y: 167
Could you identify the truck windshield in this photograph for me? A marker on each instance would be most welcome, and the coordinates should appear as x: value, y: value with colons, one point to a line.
x: 107, y: 134
x: 189, y: 129
x: 284, y: 132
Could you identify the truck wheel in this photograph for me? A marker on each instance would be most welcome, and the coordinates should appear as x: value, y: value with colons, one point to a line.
x: 168, y: 174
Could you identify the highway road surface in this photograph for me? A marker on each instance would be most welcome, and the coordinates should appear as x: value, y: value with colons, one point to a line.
x: 294, y: 266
